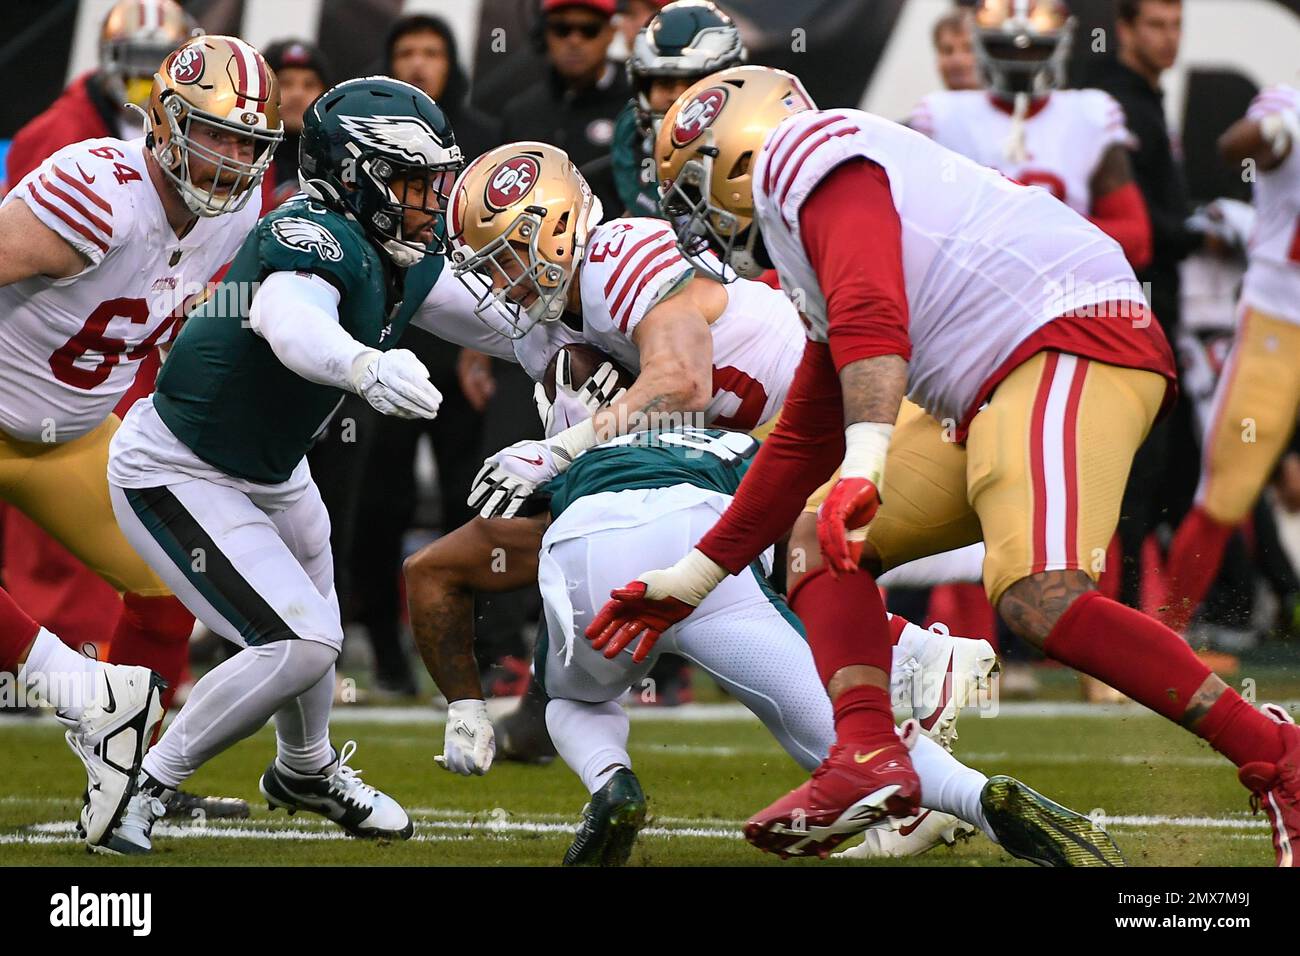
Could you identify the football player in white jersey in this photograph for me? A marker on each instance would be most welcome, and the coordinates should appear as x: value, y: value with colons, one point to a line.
x: 1021, y: 331
x: 1257, y: 397
x: 103, y: 248
x: 1073, y: 143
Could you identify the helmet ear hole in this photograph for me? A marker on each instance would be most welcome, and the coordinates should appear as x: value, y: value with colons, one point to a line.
x: 561, y: 224
x: 741, y: 166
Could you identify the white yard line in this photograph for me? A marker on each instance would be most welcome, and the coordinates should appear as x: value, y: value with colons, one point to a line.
x: 439, y: 825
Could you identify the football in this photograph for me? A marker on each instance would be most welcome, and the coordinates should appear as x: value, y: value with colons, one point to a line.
x: 584, y: 360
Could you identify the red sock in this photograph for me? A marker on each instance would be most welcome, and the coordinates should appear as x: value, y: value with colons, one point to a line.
x: 864, y: 715
x: 154, y: 632
x: 17, y: 631
x: 1193, y: 565
x: 1239, y: 731
x: 845, y: 620
x: 1133, y: 653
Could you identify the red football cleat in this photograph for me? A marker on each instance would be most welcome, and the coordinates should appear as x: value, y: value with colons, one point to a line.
x: 849, y: 792
x: 1276, y: 788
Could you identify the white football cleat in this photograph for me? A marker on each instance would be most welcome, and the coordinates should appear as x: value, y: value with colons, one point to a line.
x: 337, y: 793
x: 911, y: 836
x: 947, y: 673
x: 111, y: 739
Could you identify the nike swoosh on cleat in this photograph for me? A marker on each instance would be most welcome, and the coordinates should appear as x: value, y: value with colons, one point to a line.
x: 911, y: 827
x: 111, y: 706
x: 864, y: 758
x: 933, y: 717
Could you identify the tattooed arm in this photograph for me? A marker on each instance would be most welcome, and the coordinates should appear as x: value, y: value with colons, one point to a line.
x: 676, y: 353
x: 487, y: 555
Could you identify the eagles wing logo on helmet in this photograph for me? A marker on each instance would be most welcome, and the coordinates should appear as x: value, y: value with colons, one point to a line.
x: 697, y: 115
x: 309, y: 237
x: 409, y: 136
x: 188, y: 65
x: 511, y: 181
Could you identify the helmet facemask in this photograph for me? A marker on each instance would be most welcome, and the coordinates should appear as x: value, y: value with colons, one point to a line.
x: 233, y: 181
x: 1017, y: 59
x: 405, y: 188
x: 516, y: 285
x: 717, y: 242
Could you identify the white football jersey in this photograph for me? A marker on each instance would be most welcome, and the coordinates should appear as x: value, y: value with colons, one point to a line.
x: 986, y: 262
x: 631, y: 264
x: 1272, y: 282
x: 72, y: 346
x: 1065, y: 138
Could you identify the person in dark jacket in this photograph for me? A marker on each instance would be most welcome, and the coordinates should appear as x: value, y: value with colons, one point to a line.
x: 303, y: 74
x: 576, y: 107
x: 421, y: 50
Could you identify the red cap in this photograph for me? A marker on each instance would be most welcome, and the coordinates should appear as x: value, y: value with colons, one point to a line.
x: 607, y: 7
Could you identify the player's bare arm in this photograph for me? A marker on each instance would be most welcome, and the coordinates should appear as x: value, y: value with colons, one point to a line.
x: 29, y: 248
x: 1249, y: 139
x: 487, y: 554
x: 676, y: 353
x: 873, y: 389
x: 1114, y: 171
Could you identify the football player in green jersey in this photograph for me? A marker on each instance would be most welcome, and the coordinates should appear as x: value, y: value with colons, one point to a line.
x: 208, y: 475
x: 644, y: 493
x: 684, y: 41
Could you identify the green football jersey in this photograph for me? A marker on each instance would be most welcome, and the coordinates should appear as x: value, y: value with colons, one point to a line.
x: 710, y: 458
x: 223, y: 392
x: 634, y: 173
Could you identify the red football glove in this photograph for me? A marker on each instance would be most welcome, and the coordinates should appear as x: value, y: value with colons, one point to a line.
x: 851, y: 504
x: 630, y: 613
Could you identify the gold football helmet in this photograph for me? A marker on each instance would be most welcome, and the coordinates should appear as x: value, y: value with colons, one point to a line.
x: 704, y: 158
x: 1022, y: 46
x: 135, y: 37
x: 209, y: 89
x: 519, y: 219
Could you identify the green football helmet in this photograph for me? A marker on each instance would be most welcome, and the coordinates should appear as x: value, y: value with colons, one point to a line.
x: 688, y: 39
x: 365, y: 141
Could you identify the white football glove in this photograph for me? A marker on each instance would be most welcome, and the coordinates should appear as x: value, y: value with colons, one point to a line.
x: 396, y: 383
x: 507, y: 478
x: 574, y: 404
x: 469, y: 743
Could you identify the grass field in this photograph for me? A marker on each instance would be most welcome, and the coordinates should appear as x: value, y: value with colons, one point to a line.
x: 1167, y: 799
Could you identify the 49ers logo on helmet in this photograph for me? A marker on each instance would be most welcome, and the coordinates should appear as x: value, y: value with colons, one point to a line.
x: 698, y: 115
x: 188, y: 65
x: 511, y: 182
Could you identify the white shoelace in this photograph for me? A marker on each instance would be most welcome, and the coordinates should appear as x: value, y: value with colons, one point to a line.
x: 348, y: 783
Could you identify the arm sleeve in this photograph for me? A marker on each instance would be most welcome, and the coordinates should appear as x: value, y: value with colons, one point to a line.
x: 854, y: 241
x: 448, y: 312
x: 800, y: 454
x: 1122, y: 215
x: 297, y: 314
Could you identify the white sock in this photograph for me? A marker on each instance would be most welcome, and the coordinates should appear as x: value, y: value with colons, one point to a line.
x: 590, y: 738
x: 949, y: 785
x: 59, y: 676
x: 963, y: 565
x: 302, y: 729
